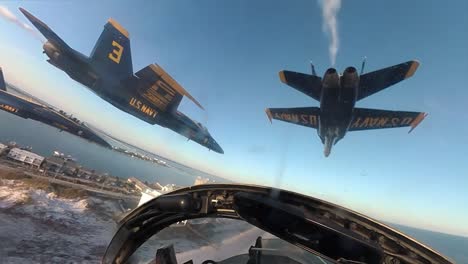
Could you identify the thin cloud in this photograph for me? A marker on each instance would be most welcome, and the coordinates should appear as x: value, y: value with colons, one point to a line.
x: 9, y: 16
x: 330, y: 9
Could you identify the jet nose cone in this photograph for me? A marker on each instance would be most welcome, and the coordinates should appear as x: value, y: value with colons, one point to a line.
x: 213, y: 145
x: 328, y: 144
x: 217, y: 148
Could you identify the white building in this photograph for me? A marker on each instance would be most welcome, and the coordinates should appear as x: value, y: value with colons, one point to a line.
x: 3, y: 148
x: 147, y: 195
x: 200, y: 180
x: 25, y: 157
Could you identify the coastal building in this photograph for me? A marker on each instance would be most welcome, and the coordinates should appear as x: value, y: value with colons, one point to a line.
x: 200, y: 180
x: 26, y: 157
x: 60, y: 163
x: 147, y: 195
x: 71, y: 168
x: 85, y: 173
x: 163, y: 189
x: 138, y: 184
x: 3, y: 149
x: 54, y: 164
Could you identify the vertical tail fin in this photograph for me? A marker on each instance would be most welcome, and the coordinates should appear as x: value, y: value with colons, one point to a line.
x: 313, y: 68
x: 363, y: 65
x: 112, y: 50
x: 2, y: 81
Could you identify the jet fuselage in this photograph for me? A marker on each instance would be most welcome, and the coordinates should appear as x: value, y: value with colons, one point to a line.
x: 337, y: 101
x: 338, y: 95
x: 122, y: 94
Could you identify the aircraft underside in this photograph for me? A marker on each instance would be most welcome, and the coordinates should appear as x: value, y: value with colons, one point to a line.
x: 337, y: 95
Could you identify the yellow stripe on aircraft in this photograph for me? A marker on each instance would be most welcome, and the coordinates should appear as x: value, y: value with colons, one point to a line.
x: 414, y: 66
x: 417, y: 120
x: 282, y: 77
x: 268, y: 112
x: 117, y: 26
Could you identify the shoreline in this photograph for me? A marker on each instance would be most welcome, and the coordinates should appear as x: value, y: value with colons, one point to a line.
x: 33, y: 179
x: 47, y: 222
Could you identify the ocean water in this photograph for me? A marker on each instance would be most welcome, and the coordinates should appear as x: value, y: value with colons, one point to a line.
x: 45, y: 139
x: 454, y: 247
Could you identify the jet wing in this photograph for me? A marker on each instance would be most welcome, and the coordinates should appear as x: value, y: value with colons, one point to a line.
x: 31, y: 110
x: 159, y: 88
x: 45, y: 30
x: 310, y: 85
x: 373, y: 82
x: 364, y: 119
x: 304, y: 116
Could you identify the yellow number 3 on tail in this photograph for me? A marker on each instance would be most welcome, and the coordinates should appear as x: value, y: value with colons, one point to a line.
x: 116, y: 53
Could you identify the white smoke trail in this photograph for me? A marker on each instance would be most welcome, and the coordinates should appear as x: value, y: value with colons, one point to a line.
x: 9, y: 16
x: 330, y: 9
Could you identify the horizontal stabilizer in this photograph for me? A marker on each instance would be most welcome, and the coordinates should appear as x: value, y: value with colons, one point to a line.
x: 304, y: 116
x: 161, y: 89
x: 2, y: 81
x: 45, y: 30
x: 373, y: 82
x: 365, y: 119
x: 310, y: 85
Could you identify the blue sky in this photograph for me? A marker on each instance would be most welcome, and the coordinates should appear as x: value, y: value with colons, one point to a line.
x: 227, y: 55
